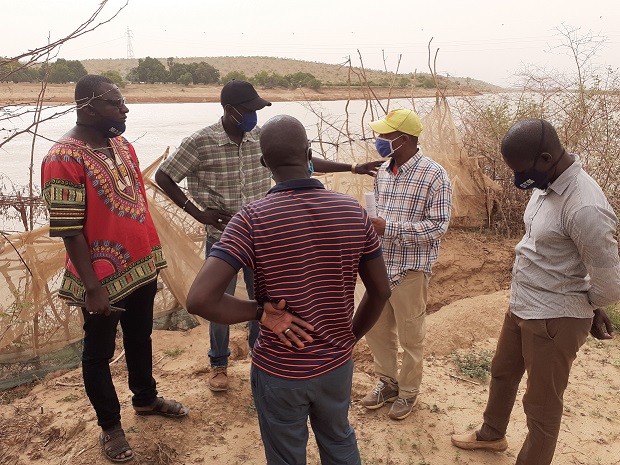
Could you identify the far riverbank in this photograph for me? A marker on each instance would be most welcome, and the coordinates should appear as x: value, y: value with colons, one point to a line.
x: 56, y: 94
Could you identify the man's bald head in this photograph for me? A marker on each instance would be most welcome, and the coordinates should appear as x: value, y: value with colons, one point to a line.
x: 528, y: 138
x: 284, y: 144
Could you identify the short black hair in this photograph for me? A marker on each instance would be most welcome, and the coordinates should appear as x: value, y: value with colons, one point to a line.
x: 529, y: 137
x: 88, y: 86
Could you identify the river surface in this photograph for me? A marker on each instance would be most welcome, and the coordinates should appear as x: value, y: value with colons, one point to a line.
x: 153, y: 127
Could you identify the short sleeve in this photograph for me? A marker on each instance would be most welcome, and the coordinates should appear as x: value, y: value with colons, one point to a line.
x: 236, y: 246
x: 183, y: 161
x: 64, y: 190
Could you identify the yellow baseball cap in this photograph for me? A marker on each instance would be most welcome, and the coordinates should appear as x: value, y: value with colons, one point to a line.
x: 401, y: 119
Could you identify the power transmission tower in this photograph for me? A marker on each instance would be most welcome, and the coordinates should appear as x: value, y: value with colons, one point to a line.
x: 129, y: 46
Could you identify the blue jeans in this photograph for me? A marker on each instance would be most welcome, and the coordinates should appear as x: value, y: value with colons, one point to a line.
x: 218, y: 333
x: 284, y: 405
x: 99, y: 342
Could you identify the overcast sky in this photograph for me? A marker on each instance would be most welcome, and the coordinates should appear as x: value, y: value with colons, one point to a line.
x: 488, y: 40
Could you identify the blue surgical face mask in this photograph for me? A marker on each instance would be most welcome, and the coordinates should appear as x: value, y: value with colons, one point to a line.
x: 248, y: 120
x: 385, y: 147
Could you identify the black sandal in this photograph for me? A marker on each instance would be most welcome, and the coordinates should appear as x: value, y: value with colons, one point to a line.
x: 165, y: 407
x: 113, y: 443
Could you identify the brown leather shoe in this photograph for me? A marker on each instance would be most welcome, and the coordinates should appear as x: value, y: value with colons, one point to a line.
x: 218, y: 380
x: 470, y: 441
x: 402, y: 408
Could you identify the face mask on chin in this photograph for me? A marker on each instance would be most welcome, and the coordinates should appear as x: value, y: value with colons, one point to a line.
x: 248, y: 120
x: 384, y: 146
x: 108, y: 127
x: 111, y: 129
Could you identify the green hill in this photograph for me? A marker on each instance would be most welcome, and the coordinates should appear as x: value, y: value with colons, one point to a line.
x: 328, y: 74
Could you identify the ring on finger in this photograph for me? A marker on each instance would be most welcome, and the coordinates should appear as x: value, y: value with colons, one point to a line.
x: 287, y: 330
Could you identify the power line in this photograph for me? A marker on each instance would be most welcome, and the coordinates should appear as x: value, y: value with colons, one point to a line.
x: 129, y: 46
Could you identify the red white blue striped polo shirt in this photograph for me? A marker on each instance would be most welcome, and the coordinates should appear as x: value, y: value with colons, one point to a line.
x: 304, y: 243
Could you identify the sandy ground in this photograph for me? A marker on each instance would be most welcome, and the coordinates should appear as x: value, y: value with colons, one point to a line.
x: 27, y: 93
x: 54, y: 423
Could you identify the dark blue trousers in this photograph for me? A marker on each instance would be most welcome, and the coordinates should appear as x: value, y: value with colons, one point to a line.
x: 284, y: 406
x: 219, y: 334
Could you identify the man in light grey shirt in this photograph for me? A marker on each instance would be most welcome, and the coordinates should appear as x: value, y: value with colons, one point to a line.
x: 566, y: 268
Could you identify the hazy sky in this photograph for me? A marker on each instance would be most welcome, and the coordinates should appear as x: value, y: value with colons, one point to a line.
x: 488, y: 40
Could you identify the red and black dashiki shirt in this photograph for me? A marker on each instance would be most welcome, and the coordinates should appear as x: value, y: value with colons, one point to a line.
x: 86, y: 191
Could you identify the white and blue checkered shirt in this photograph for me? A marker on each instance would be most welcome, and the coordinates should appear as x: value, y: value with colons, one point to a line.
x: 416, y: 203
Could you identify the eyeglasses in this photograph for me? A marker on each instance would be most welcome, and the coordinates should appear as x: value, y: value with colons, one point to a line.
x: 114, y: 102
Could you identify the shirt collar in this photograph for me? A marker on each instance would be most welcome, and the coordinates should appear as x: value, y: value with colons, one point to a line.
x: 222, y: 137
x: 562, y: 182
x: 297, y: 184
x: 408, y: 165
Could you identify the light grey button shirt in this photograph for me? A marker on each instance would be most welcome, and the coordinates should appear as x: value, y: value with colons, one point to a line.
x: 567, y: 263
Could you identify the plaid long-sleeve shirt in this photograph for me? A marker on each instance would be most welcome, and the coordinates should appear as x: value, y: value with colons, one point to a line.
x: 415, y: 202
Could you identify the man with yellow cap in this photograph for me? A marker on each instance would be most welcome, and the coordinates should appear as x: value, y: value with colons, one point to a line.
x: 413, y: 197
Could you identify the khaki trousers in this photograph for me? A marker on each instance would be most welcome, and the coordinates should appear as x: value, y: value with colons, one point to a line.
x: 545, y: 349
x: 403, y: 320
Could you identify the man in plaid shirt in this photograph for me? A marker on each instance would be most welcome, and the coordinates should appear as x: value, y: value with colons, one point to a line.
x: 413, y: 196
x: 222, y: 165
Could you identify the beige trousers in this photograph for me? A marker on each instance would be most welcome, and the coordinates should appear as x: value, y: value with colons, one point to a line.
x: 403, y: 320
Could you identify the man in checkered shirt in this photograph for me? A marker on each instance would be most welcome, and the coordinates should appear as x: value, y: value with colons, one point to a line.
x: 413, y: 197
x: 222, y: 165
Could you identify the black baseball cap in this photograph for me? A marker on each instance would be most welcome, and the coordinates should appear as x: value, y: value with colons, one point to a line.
x: 238, y: 92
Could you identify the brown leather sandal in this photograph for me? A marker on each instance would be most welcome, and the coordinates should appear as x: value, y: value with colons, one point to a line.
x: 166, y: 408
x: 113, y: 443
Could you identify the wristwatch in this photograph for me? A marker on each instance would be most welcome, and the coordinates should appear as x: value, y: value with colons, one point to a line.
x: 259, y: 310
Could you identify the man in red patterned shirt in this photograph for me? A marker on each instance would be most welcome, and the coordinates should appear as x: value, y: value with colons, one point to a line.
x: 97, y: 203
x: 306, y: 245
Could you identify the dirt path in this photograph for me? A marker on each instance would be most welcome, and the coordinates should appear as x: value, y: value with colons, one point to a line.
x: 55, y: 424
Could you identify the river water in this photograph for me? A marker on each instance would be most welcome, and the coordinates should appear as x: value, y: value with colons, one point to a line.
x: 153, y: 127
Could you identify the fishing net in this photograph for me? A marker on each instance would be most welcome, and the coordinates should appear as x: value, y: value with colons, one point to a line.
x: 39, y: 333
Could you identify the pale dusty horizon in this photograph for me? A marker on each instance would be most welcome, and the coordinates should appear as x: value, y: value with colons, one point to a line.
x: 482, y: 40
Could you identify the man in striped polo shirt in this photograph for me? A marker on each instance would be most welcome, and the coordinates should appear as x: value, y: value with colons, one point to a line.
x: 414, y: 199
x: 306, y: 245
x: 223, y: 172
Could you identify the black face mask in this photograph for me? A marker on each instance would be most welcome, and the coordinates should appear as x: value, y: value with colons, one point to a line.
x: 535, y: 179
x: 108, y: 127
x: 532, y: 178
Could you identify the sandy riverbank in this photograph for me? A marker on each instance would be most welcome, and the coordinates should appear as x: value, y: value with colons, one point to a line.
x: 27, y: 93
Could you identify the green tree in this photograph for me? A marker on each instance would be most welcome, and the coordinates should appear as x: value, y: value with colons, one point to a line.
x: 16, y: 71
x: 269, y: 81
x: 238, y: 75
x: 76, y: 69
x: 115, y: 77
x: 204, y: 73
x: 185, y: 79
x: 299, y: 79
x: 177, y: 70
x: 149, y: 70
x: 63, y: 71
x: 314, y: 84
